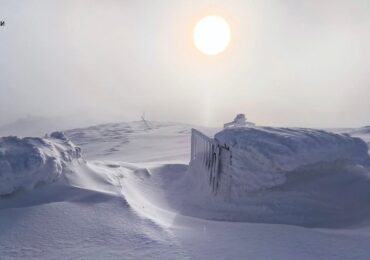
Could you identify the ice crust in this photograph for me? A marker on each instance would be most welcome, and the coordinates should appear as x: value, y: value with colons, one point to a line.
x: 31, y: 161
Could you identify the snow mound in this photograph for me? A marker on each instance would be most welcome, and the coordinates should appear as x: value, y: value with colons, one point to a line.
x: 262, y: 156
x: 28, y: 162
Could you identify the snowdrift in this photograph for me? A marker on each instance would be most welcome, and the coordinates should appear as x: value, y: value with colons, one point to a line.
x: 324, y: 195
x: 296, y: 176
x: 262, y: 156
x: 363, y: 133
x: 28, y: 162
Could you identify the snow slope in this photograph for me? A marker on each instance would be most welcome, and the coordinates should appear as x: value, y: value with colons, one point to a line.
x: 136, y: 201
x: 132, y: 142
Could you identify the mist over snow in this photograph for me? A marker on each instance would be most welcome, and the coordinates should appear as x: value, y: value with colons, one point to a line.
x: 290, y: 63
x: 39, y: 126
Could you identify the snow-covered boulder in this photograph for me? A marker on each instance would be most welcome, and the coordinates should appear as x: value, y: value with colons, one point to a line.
x: 262, y: 156
x: 30, y: 161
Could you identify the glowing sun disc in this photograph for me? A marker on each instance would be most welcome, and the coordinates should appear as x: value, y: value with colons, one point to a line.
x: 212, y: 35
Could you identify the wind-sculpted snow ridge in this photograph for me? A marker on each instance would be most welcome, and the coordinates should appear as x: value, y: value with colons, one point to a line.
x: 28, y: 162
x: 362, y: 130
x: 363, y: 133
x: 262, y: 156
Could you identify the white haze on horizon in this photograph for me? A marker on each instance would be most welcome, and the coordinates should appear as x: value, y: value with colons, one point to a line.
x: 290, y: 63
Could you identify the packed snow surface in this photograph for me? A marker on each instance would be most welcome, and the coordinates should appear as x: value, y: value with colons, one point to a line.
x: 135, y: 198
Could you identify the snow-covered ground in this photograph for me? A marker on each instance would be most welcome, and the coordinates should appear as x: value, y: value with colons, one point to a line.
x: 131, y: 196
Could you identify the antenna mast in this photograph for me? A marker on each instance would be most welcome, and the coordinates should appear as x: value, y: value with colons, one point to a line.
x: 146, y: 123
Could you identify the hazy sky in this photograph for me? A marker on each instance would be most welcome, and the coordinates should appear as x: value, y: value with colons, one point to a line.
x: 290, y: 63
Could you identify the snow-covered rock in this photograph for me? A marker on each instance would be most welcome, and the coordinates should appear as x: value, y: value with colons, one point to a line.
x: 30, y: 161
x: 262, y: 156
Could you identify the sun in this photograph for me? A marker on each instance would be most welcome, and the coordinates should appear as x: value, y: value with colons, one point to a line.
x: 212, y: 35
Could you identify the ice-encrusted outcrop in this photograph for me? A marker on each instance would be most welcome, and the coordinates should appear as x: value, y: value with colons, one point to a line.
x: 262, y: 156
x: 31, y: 161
